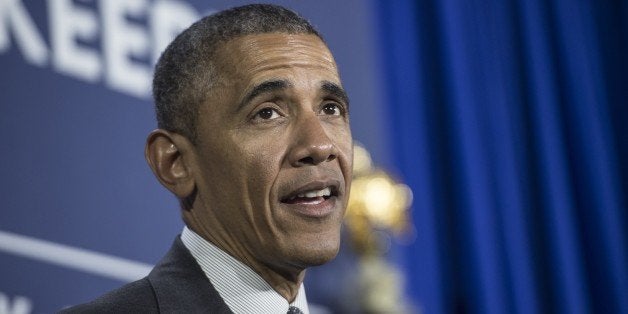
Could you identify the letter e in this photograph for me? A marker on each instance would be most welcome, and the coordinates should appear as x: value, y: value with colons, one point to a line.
x: 68, y: 22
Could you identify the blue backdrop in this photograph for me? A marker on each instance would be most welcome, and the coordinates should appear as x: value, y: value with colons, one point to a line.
x: 508, y: 119
x: 81, y: 212
x: 510, y: 123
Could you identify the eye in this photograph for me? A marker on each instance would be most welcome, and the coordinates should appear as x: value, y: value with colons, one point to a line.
x: 331, y: 109
x: 267, y: 114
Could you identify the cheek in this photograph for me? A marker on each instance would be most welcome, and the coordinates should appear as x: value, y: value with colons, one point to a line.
x: 345, y: 146
x: 224, y: 169
x: 344, y: 142
x: 259, y: 167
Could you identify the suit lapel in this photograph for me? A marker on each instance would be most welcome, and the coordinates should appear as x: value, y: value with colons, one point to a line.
x: 181, y: 286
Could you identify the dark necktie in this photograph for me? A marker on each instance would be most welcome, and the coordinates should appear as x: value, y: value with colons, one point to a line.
x: 294, y: 310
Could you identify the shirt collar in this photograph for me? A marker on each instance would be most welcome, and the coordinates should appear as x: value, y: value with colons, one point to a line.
x: 242, y: 289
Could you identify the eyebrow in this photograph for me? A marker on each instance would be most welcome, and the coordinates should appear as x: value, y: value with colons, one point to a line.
x: 275, y: 85
x: 264, y: 87
x: 335, y: 90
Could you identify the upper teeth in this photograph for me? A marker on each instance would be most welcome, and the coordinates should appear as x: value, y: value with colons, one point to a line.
x: 317, y: 193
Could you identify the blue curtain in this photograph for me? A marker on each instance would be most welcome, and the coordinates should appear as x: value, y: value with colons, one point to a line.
x: 509, y: 121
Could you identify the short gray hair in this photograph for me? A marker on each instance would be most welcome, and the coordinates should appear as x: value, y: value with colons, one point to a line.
x: 185, y: 72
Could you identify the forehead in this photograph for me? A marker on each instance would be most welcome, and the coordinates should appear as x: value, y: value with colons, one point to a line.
x: 262, y: 56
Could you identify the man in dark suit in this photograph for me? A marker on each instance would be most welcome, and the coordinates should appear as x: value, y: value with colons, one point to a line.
x: 254, y: 141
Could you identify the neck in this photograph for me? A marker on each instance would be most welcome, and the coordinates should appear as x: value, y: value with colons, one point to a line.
x: 286, y: 286
x: 284, y: 280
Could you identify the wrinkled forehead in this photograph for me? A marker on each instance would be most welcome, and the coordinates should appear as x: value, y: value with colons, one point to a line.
x: 251, y: 55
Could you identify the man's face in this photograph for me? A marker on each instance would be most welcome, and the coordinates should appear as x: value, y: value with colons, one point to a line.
x: 274, y: 152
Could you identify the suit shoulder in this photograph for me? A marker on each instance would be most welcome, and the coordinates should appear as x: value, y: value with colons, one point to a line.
x: 135, y: 297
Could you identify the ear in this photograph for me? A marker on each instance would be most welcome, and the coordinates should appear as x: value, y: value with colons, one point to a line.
x: 167, y: 155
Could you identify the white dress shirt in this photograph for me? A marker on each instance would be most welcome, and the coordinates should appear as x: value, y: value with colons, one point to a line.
x: 242, y: 289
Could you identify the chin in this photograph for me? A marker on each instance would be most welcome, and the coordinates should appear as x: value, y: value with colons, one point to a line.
x: 317, y: 254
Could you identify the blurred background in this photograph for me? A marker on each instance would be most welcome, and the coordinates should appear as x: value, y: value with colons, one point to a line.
x: 493, y: 157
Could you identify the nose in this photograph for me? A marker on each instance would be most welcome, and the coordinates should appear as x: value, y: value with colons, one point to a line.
x: 311, y: 144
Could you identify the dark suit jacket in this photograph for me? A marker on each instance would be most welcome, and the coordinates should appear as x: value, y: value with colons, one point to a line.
x: 177, y: 284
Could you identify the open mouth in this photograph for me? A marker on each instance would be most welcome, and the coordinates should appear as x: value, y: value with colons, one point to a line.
x: 311, y: 195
